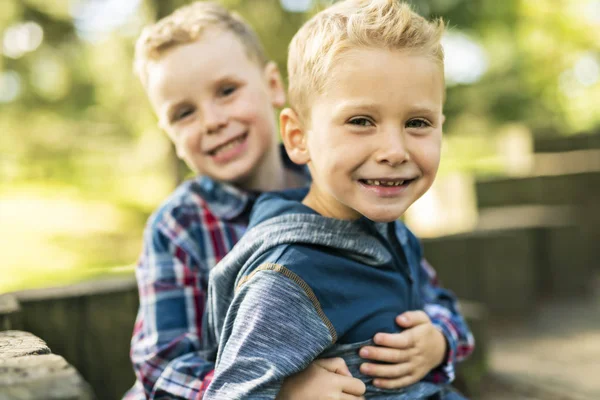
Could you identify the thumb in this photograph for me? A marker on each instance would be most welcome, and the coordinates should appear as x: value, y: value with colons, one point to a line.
x: 336, y: 365
x: 409, y: 319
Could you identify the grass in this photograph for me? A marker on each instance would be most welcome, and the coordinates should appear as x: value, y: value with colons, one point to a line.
x: 54, y: 235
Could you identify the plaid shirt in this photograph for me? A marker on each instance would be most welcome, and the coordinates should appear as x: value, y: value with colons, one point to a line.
x: 189, y: 234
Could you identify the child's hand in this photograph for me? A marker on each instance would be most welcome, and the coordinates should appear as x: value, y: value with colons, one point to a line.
x: 325, y: 379
x: 410, y: 354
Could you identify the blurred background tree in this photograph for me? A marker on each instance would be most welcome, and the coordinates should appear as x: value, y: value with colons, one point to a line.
x: 83, y: 164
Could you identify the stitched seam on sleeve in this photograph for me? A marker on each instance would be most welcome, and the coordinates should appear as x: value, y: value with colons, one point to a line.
x: 300, y: 282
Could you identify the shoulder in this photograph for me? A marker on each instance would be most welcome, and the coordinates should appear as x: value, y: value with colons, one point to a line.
x: 181, y: 222
x: 180, y: 210
x: 317, y: 273
x: 301, y: 262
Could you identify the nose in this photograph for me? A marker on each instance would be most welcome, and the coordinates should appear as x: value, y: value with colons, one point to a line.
x: 393, y: 148
x: 214, y: 117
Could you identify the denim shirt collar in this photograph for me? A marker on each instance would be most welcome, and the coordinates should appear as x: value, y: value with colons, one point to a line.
x: 229, y: 202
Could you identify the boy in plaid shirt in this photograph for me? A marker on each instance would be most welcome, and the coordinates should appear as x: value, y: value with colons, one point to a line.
x: 214, y: 92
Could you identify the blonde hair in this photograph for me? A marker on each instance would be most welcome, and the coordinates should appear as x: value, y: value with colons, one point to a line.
x: 387, y: 24
x: 186, y: 25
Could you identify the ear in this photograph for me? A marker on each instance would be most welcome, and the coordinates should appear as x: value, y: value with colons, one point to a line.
x: 293, y: 136
x: 275, y: 84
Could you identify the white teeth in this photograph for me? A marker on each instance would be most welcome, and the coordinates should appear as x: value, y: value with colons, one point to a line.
x: 382, y: 183
x: 229, y: 145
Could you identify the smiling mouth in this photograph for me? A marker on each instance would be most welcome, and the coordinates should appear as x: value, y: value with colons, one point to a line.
x: 386, y: 182
x: 228, y: 145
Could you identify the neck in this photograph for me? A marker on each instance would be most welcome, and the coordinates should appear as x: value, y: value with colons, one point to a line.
x: 270, y: 175
x: 327, y: 205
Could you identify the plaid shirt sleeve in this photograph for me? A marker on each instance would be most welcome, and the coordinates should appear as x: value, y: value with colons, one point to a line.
x: 442, y: 308
x: 166, y: 337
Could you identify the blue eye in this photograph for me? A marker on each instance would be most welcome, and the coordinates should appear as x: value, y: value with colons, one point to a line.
x: 417, y: 123
x: 360, y: 121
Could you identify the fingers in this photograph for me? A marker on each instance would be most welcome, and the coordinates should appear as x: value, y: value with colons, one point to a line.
x: 386, y: 370
x: 320, y: 381
x: 352, y: 386
x: 384, y: 354
x: 395, y: 383
x: 336, y: 365
x: 401, y: 341
x: 345, y: 396
x: 409, y: 319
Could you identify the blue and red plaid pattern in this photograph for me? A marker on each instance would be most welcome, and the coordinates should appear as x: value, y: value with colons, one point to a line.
x: 189, y: 234
x: 194, y: 229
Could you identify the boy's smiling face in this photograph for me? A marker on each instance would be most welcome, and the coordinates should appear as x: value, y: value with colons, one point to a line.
x: 373, y: 138
x: 216, y: 105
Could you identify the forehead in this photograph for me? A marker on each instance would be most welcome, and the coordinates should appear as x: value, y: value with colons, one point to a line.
x: 382, y: 75
x: 184, y: 67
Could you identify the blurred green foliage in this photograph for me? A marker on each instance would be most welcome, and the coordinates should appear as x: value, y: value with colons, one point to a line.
x: 80, y: 129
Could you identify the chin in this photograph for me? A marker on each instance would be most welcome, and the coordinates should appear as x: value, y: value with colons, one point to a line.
x: 384, y: 219
x: 384, y: 215
x: 235, y: 172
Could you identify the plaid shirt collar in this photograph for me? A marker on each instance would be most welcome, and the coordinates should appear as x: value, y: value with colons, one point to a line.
x: 228, y: 202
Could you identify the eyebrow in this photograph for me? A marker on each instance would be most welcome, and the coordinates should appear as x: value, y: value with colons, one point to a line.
x: 422, y: 108
x: 355, y: 104
x: 226, y: 77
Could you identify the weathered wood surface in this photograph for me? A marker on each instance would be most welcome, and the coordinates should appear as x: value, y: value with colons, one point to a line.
x: 17, y: 344
x: 29, y: 372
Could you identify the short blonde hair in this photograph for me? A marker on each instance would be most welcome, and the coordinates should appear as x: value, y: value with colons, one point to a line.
x: 186, y: 25
x: 387, y: 24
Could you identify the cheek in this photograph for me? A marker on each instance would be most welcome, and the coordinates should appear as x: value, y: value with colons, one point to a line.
x: 341, y: 160
x: 321, y: 147
x: 245, y: 107
x: 427, y: 154
x: 188, y: 141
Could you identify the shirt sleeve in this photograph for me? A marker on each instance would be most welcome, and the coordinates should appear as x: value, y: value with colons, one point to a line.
x: 166, y: 340
x: 442, y: 308
x: 274, y: 328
